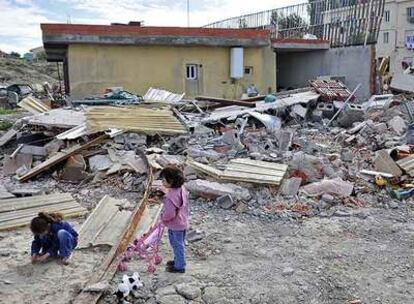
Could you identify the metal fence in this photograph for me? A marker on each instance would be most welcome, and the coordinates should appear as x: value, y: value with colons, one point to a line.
x: 342, y: 22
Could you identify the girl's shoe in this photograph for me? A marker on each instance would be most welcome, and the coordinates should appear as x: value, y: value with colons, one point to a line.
x: 170, y: 264
x: 172, y: 269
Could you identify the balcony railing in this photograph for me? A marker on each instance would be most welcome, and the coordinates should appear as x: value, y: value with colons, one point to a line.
x: 342, y: 22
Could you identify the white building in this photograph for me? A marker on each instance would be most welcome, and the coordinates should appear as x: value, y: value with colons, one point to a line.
x: 396, y: 37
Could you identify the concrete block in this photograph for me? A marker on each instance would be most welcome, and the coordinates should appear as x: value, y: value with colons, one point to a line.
x: 350, y: 114
x: 299, y: 110
x: 212, y: 190
x: 99, y: 163
x: 290, y: 187
x: 327, y: 109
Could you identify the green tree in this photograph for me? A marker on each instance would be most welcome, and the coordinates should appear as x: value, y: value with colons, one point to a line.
x: 15, y: 55
x: 290, y: 21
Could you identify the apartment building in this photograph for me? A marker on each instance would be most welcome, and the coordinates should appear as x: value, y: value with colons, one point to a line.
x: 396, y: 36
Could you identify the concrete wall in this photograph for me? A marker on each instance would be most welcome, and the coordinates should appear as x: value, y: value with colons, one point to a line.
x: 398, y: 28
x: 92, y: 68
x: 295, y: 69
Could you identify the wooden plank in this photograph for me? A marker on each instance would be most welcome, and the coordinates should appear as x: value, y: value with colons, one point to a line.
x: 33, y: 105
x: 259, y: 163
x: 226, y: 102
x: 205, y: 168
x: 250, y: 177
x: 74, y: 212
x: 59, y: 157
x: 4, y: 193
x: 34, y: 201
x: 31, y: 212
x: 253, y: 169
x: 109, y: 266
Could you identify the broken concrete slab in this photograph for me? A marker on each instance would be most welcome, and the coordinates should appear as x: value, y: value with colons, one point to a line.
x: 284, y: 139
x: 213, y: 190
x: 398, y: 125
x: 99, y: 163
x: 290, y: 186
x: 384, y: 163
x: 33, y: 150
x: 11, y: 165
x: 335, y: 186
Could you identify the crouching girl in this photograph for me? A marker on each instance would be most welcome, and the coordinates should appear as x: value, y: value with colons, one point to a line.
x: 53, y: 238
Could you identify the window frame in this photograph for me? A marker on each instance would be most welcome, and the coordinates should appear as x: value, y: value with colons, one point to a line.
x: 386, y: 35
x: 191, y: 71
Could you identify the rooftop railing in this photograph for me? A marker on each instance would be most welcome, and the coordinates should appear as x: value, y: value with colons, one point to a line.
x: 342, y: 22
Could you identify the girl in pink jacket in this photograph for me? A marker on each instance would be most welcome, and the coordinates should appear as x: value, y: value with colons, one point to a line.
x: 174, y: 215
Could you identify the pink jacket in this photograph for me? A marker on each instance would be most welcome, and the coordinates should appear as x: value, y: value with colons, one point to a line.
x: 175, y: 209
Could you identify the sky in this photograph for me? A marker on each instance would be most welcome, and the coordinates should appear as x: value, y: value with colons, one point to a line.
x: 20, y: 19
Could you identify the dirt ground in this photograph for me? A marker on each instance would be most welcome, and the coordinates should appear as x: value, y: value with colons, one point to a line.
x: 367, y: 256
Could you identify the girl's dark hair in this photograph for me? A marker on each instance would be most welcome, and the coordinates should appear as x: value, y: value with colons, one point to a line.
x: 174, y: 176
x: 41, y: 222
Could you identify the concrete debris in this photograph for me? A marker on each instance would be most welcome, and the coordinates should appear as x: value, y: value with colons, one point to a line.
x: 290, y: 187
x: 213, y: 190
x: 335, y: 186
x: 398, y: 125
x: 384, y: 163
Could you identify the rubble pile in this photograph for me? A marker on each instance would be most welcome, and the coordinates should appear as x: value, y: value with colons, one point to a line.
x: 291, y: 155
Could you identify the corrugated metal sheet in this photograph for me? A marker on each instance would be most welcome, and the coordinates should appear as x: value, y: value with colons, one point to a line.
x: 105, y: 224
x: 33, y: 105
x: 138, y: 119
x: 18, y: 212
x: 159, y: 95
x: 407, y: 164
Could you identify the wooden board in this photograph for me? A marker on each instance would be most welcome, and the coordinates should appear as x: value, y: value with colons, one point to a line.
x: 18, y: 212
x: 8, y: 136
x: 59, y: 157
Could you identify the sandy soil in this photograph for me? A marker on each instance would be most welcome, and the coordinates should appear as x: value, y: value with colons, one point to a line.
x: 243, y: 259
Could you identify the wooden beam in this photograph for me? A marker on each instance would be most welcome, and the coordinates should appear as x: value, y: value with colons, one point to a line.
x: 109, y: 266
x: 59, y: 157
x: 227, y: 102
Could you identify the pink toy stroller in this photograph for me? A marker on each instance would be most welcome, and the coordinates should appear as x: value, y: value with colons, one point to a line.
x: 145, y: 247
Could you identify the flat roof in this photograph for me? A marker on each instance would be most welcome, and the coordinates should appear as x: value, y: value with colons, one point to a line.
x: 134, y: 30
x: 57, y: 37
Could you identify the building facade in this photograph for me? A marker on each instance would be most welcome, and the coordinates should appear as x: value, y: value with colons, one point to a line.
x: 396, y: 37
x: 197, y: 61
